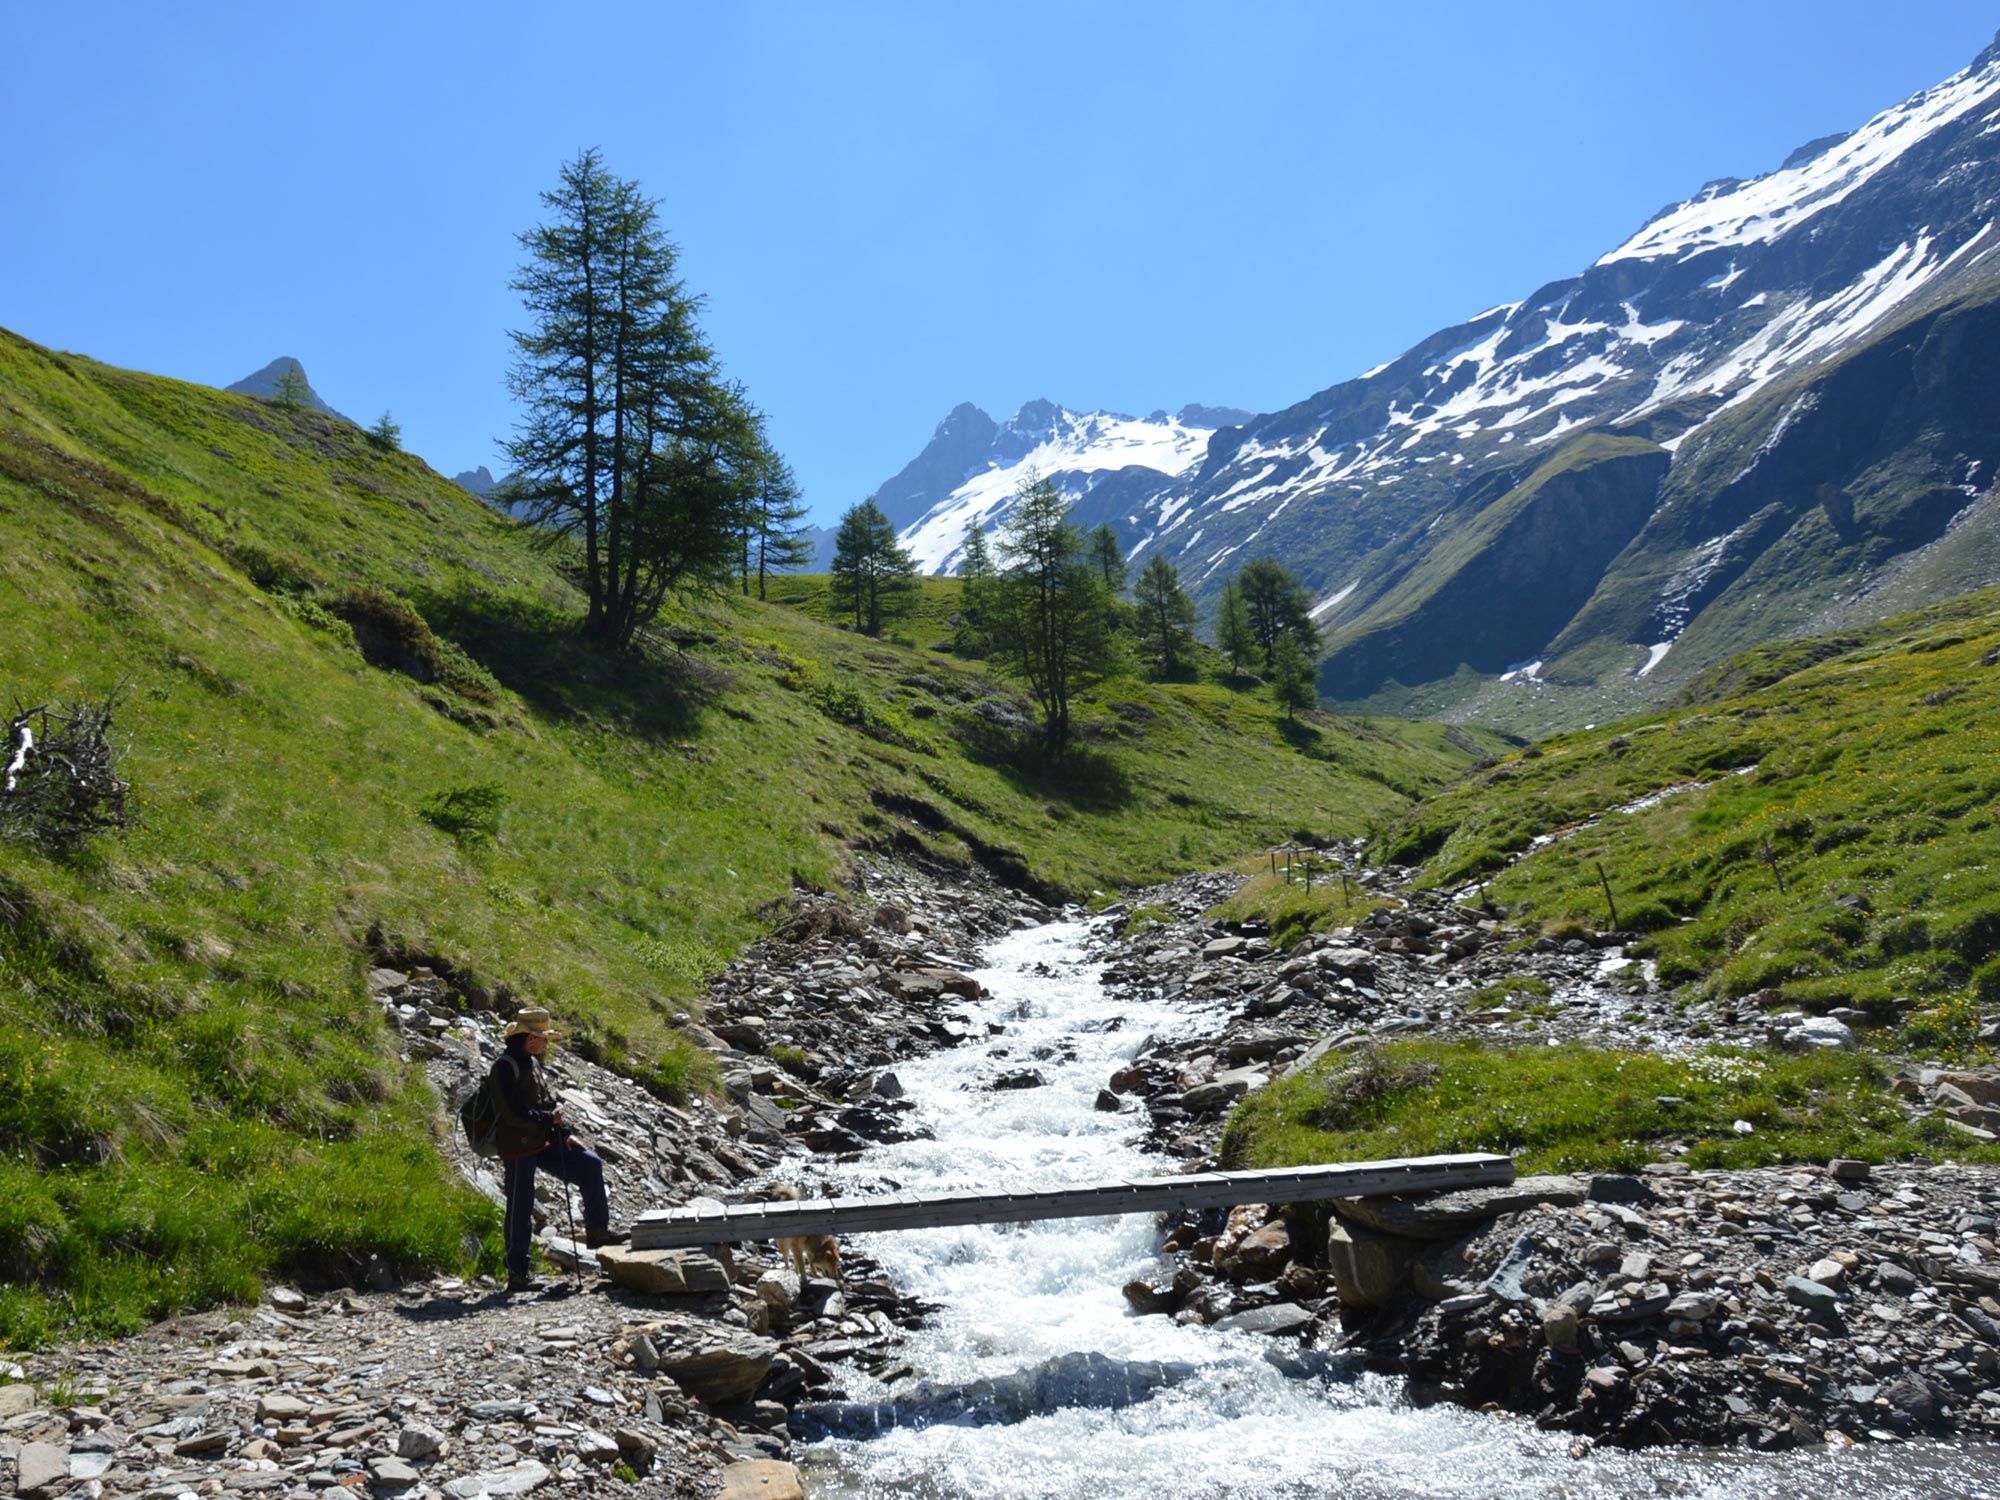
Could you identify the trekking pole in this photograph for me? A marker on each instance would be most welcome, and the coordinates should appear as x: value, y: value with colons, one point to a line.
x: 569, y: 1215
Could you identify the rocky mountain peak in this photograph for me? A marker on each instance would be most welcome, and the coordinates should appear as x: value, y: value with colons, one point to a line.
x: 264, y: 384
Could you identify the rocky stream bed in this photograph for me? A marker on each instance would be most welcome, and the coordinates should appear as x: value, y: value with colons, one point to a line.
x: 1770, y: 1308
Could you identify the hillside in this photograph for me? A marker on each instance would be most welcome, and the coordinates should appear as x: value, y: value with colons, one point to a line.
x: 194, y: 1085
x: 1813, y: 826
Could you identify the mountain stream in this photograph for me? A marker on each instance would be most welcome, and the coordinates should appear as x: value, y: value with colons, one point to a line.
x: 1231, y: 1422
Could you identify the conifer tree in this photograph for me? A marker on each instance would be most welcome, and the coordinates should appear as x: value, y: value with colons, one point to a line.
x: 976, y: 599
x: 777, y: 538
x: 1056, y: 618
x: 386, y: 435
x: 1108, y: 558
x: 1233, y: 635
x: 1291, y: 676
x: 630, y: 439
x: 1165, y: 617
x: 1278, y: 604
x: 871, y: 571
x: 291, y: 390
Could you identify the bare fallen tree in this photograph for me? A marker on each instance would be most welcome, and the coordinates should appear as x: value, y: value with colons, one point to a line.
x: 60, y: 783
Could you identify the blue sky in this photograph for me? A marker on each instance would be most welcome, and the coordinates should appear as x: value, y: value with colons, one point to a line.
x: 891, y: 208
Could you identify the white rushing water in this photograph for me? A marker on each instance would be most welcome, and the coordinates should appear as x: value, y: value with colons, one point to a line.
x: 1013, y: 1296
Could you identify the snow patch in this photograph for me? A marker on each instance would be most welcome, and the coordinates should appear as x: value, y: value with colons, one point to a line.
x: 1331, y: 600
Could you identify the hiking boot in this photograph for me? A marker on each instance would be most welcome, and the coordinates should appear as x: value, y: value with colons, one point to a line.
x: 523, y: 1281
x: 592, y: 1238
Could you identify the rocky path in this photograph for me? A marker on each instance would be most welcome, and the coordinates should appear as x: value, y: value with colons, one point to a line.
x: 656, y: 1373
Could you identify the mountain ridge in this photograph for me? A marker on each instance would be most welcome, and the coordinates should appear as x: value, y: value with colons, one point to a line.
x: 1714, y: 331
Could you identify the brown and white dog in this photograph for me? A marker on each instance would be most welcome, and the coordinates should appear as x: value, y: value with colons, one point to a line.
x: 807, y: 1254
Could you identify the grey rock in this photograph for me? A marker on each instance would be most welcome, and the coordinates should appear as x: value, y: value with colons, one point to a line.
x: 1277, y: 1319
x: 419, y: 1440
x: 1446, y: 1215
x: 664, y: 1273
x: 391, y: 1474
x: 1811, y: 1295
x: 1696, y: 1307
x: 515, y: 1479
x: 39, y: 1466
x: 727, y: 1368
x: 1630, y: 1306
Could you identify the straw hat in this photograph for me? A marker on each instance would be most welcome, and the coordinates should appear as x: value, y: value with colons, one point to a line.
x: 531, y: 1021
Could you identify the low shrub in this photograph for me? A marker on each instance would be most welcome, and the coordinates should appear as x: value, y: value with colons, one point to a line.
x: 470, y: 814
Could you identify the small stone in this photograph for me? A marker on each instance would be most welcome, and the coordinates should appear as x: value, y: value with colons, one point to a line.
x: 1813, y: 1296
x: 1279, y: 1319
x: 1695, y: 1307
x: 39, y: 1465
x: 596, y: 1447
x: 777, y: 1290
x: 636, y: 1449
x: 1847, y: 1169
x: 93, y: 1465
x: 1559, y: 1328
x: 1108, y: 1102
x: 515, y: 1479
x: 277, y: 1408
x: 16, y: 1399
x: 419, y: 1441
x: 1827, y: 1272
x: 391, y: 1474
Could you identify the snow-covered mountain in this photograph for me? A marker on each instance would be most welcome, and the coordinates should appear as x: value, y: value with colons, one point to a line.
x: 1771, y: 409
x: 1111, y: 467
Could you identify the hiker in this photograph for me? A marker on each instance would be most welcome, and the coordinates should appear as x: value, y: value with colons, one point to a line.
x: 532, y: 1134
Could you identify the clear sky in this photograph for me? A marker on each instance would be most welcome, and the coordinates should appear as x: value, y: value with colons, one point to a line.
x: 891, y: 208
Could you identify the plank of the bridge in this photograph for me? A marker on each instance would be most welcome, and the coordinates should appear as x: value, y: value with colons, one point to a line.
x: 711, y: 1224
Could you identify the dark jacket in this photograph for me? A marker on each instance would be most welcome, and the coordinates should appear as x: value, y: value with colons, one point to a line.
x: 527, y: 1108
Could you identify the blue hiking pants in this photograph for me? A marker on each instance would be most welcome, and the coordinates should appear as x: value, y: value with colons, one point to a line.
x: 573, y: 1164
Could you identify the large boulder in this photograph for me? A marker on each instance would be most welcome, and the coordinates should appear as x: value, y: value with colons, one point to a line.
x: 1369, y: 1269
x: 727, y: 1367
x: 665, y: 1273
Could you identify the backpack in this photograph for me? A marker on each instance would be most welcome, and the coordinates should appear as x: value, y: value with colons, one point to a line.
x: 479, y: 1117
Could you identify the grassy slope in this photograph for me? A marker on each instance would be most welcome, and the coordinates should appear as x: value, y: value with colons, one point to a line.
x: 194, y: 1089
x: 1865, y: 767
x: 1870, y: 765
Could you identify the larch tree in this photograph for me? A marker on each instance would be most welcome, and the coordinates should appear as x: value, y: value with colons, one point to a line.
x: 977, y: 595
x: 1056, y: 623
x: 1292, y: 676
x: 1108, y: 558
x: 1233, y: 636
x: 630, y: 440
x: 1278, y: 605
x: 1164, y: 617
x: 777, y: 540
x: 871, y: 572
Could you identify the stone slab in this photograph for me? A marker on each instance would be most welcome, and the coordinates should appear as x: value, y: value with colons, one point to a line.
x: 1446, y: 1215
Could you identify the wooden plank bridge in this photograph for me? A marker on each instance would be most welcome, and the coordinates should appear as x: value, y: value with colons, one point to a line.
x: 716, y: 1224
